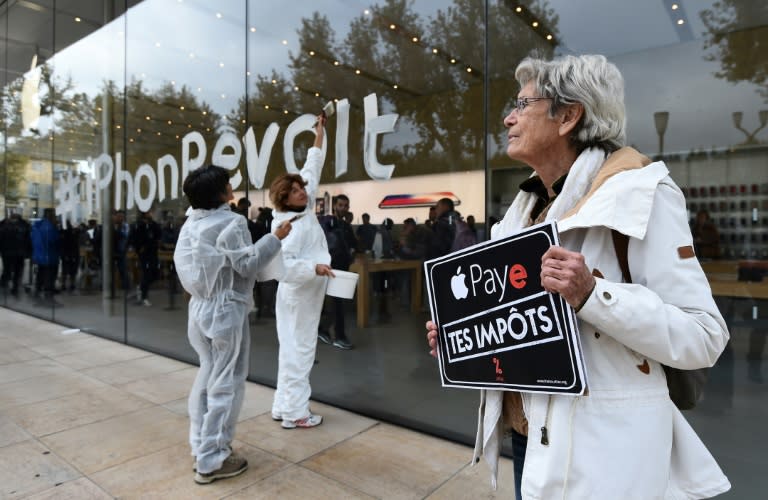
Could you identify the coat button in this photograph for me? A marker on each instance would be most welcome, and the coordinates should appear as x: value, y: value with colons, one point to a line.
x: 606, y: 296
x: 597, y: 335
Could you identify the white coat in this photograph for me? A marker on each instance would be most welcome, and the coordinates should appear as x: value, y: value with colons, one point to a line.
x: 300, y: 296
x: 624, y: 438
x: 216, y: 264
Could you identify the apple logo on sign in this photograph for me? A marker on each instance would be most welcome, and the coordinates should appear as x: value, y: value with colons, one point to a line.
x: 458, y: 286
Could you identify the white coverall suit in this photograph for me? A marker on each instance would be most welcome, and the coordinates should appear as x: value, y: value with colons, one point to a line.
x: 300, y: 297
x: 217, y: 263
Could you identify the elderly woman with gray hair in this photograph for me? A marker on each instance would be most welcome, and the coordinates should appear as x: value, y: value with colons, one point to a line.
x: 624, y: 438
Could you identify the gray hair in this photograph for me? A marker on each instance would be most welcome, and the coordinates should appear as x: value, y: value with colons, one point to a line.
x: 589, y: 80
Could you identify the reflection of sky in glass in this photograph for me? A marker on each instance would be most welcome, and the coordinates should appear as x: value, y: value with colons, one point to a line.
x: 202, y: 45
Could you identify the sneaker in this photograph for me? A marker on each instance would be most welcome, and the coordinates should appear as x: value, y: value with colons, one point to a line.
x: 324, y: 337
x: 342, y: 344
x: 233, y: 465
x: 146, y: 303
x: 303, y: 423
x: 277, y: 417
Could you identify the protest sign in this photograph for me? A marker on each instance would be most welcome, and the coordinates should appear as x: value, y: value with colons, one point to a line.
x: 497, y: 327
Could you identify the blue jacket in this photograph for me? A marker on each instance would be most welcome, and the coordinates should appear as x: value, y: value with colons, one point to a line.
x: 45, y: 243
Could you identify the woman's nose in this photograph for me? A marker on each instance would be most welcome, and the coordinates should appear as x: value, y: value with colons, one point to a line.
x: 511, y: 118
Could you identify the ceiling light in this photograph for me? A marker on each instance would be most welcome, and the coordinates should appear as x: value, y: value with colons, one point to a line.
x: 675, y: 6
x: 317, y: 94
x: 469, y: 70
x: 367, y: 12
x: 335, y: 63
x: 434, y: 51
x: 170, y: 122
x: 274, y: 82
x: 296, y: 88
x: 205, y: 113
x: 519, y: 9
x: 218, y: 15
x: 535, y: 24
x: 77, y: 19
x: 453, y: 61
x: 394, y: 86
x: 357, y: 71
x: 253, y: 29
x: 549, y: 37
x: 311, y: 52
x: 266, y: 106
x: 221, y: 65
x: 191, y: 55
x: 415, y: 39
x: 157, y: 44
x: 117, y: 126
x: 147, y: 117
x: 392, y: 26
x: 285, y: 111
x: 181, y: 108
x: 285, y: 42
x: 158, y: 133
x: 680, y: 21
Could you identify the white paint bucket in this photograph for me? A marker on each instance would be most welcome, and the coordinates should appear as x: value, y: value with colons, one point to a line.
x: 343, y: 285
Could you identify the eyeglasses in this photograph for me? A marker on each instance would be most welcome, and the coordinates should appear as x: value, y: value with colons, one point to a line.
x: 522, y: 102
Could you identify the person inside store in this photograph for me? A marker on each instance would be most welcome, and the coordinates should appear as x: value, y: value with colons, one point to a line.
x: 625, y: 438
x: 444, y: 228
x: 341, y: 245
x: 365, y: 233
x: 301, y: 289
x: 706, y: 238
x: 145, y: 239
x: 46, y: 249
x: 217, y: 265
x: 15, y: 248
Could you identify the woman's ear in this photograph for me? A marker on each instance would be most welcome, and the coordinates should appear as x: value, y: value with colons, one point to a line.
x: 570, y: 116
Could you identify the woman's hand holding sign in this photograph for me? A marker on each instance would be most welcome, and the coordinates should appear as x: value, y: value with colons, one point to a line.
x: 432, y: 338
x: 566, y: 273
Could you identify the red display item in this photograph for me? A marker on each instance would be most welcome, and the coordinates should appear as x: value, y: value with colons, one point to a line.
x: 743, y: 189
x: 733, y: 189
x: 755, y: 189
x: 712, y: 191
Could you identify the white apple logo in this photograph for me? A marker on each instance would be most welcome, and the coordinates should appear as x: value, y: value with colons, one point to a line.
x: 458, y: 287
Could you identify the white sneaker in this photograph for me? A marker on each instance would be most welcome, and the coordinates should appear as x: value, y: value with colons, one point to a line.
x: 277, y: 417
x: 307, y: 422
x: 146, y: 303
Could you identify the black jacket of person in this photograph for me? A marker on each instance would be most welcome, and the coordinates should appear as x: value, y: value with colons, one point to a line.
x: 341, y: 241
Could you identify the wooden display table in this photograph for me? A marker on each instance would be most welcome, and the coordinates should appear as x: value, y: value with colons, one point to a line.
x: 365, y: 267
x: 723, y: 279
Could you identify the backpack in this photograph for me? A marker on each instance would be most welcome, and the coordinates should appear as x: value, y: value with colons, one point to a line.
x: 685, y: 386
x: 463, y: 236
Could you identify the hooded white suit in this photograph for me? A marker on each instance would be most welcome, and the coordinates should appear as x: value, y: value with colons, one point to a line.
x: 300, y: 297
x: 217, y: 263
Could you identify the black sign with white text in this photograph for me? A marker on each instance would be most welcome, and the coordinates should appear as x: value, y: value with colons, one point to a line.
x: 497, y: 327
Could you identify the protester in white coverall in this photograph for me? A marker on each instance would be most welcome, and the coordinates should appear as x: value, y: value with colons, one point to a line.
x: 302, y: 287
x: 623, y: 438
x: 217, y: 263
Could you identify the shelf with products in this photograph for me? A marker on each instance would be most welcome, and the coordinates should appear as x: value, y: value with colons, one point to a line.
x: 740, y: 214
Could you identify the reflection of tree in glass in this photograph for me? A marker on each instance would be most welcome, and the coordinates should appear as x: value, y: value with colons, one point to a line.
x: 737, y: 35
x: 427, y: 70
